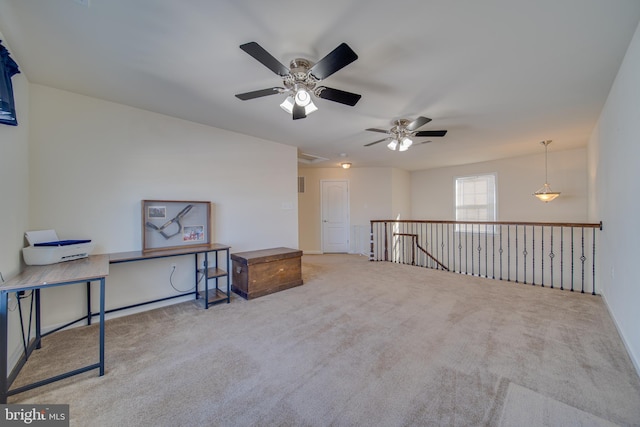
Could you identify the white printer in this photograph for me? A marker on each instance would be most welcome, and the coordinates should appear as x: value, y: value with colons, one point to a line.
x: 46, y: 248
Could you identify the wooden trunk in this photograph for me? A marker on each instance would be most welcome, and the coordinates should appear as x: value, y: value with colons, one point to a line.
x: 262, y: 272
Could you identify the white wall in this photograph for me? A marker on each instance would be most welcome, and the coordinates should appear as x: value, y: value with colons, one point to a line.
x: 433, y: 192
x: 92, y: 162
x: 14, y: 179
x: 614, y: 177
x: 14, y: 193
x: 386, y: 193
x: 400, y: 194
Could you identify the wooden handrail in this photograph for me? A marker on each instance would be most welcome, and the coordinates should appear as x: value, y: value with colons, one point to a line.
x: 536, y: 224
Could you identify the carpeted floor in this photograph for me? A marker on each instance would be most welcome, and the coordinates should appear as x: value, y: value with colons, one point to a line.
x: 360, y: 343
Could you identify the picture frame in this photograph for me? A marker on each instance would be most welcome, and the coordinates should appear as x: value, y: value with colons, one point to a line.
x: 175, y: 224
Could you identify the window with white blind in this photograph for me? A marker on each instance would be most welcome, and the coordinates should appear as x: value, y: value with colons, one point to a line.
x: 476, y: 200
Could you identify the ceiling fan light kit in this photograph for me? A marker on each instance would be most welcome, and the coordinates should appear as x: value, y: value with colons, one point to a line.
x: 291, y: 103
x: 401, y: 134
x: 545, y: 193
x: 301, y: 78
x: 402, y: 145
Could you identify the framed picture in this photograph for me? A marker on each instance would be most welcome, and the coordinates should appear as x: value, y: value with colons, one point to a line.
x: 157, y: 212
x: 173, y: 224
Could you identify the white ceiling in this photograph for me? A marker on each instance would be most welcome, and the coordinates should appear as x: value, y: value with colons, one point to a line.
x: 499, y: 75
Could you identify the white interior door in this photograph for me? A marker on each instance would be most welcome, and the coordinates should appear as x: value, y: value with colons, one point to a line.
x: 335, y: 215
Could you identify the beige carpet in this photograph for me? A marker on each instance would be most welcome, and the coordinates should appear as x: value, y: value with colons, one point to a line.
x: 524, y: 407
x: 360, y: 343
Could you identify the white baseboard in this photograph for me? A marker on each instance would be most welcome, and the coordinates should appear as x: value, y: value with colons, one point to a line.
x: 312, y: 253
x: 632, y: 356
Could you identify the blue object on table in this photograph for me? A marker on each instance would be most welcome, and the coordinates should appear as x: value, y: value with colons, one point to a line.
x: 62, y: 243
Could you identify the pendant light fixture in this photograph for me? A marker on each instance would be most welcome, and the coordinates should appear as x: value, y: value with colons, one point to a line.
x: 545, y: 193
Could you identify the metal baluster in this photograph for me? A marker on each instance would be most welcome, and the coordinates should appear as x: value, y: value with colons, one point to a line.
x: 466, y: 249
x: 400, y: 242
x: 582, y: 259
x: 551, y: 255
x: 430, y: 249
x: 562, y: 258
x: 381, y: 241
x: 533, y: 257
x: 378, y: 248
x: 414, y: 247
x: 542, y: 259
x: 479, y: 252
x: 420, y: 238
x: 524, y: 253
x: 442, y: 243
x: 406, y: 244
x: 472, y: 249
x: 593, y: 264
x: 486, y: 253
x: 459, y: 248
x: 386, y: 243
x: 572, y: 262
x: 449, y: 251
x: 508, y: 253
x: 425, y: 257
x: 493, y: 251
x: 501, y: 251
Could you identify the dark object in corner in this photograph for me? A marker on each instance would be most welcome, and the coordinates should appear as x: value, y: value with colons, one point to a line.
x: 8, y: 68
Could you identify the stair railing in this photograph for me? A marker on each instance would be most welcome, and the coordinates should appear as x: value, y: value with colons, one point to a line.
x: 549, y: 254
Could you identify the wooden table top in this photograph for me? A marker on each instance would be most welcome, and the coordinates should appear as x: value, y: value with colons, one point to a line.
x: 38, y: 276
x: 162, y: 253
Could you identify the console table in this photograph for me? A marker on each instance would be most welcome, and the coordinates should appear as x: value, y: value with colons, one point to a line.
x: 35, y: 278
x: 210, y: 270
x: 87, y: 270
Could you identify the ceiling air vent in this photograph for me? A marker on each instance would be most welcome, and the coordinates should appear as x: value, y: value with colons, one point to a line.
x: 310, y: 158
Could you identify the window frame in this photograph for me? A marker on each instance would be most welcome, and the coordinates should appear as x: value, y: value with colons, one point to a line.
x: 462, y: 228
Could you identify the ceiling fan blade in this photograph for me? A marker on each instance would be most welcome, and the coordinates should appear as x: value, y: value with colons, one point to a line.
x: 375, y: 142
x: 378, y: 130
x: 259, y: 93
x: 421, y: 142
x: 337, y: 95
x: 420, y: 121
x: 431, y: 133
x: 298, y: 112
x: 338, y: 58
x: 258, y: 52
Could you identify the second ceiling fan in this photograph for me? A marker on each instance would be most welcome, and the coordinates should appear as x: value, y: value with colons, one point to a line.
x: 301, y: 78
x: 401, y: 134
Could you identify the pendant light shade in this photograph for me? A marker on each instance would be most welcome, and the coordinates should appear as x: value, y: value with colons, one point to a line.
x: 545, y: 193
